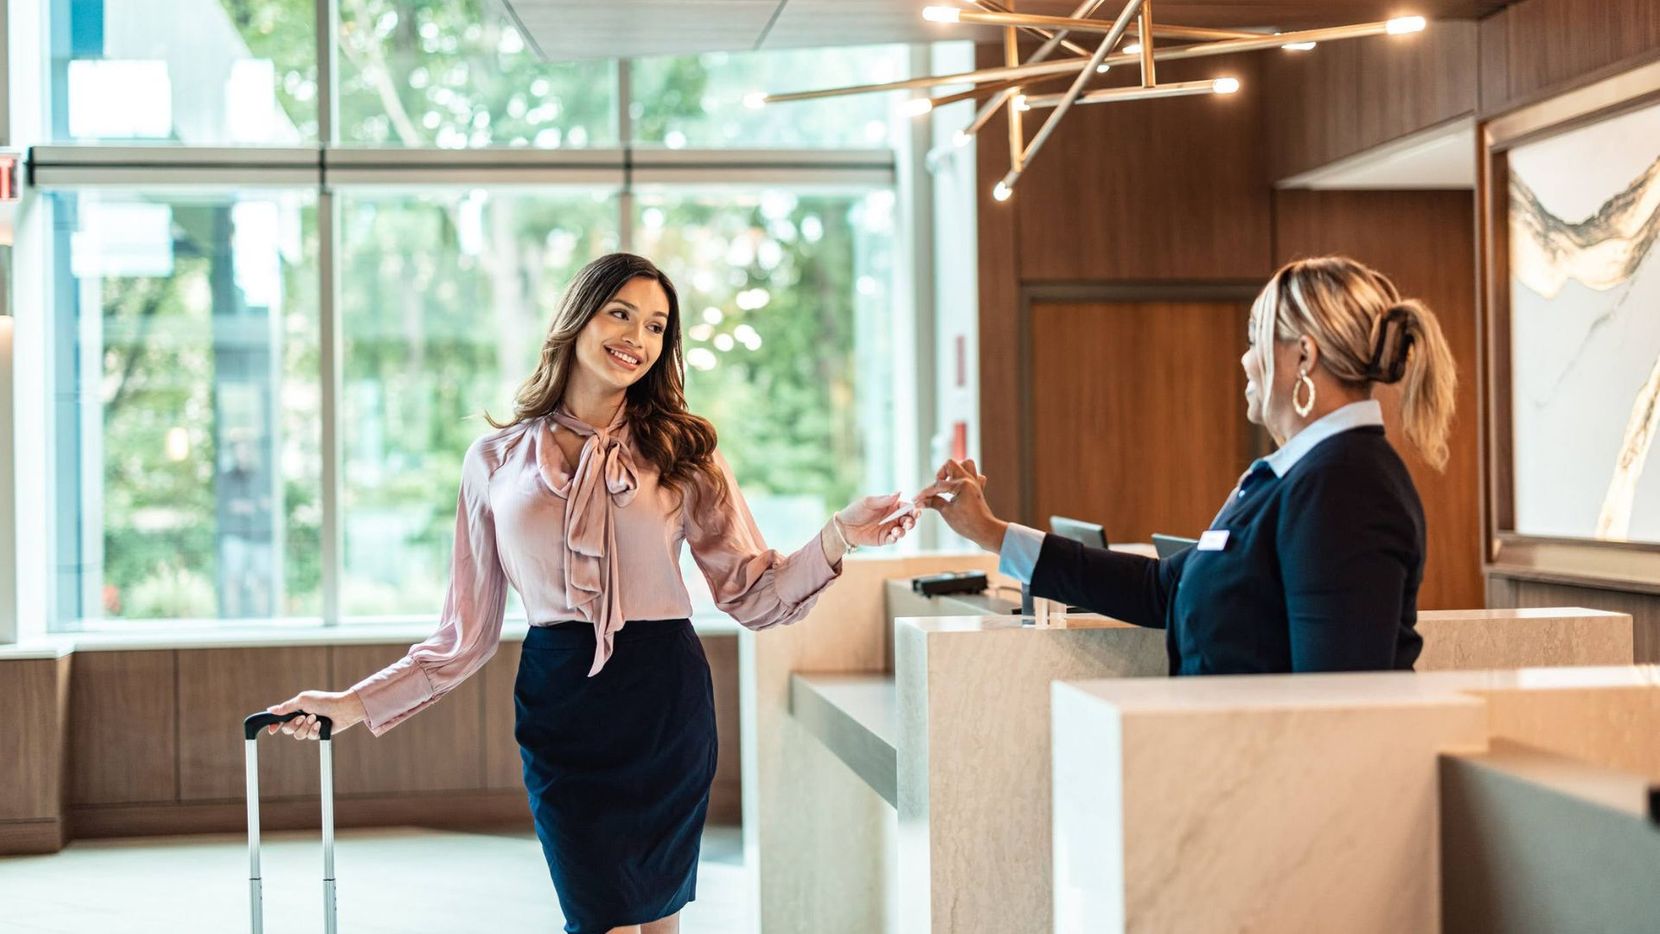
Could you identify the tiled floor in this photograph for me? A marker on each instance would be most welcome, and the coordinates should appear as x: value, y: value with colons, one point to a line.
x: 400, y: 880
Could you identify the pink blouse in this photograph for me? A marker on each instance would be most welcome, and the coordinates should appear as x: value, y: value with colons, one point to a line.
x: 599, y: 543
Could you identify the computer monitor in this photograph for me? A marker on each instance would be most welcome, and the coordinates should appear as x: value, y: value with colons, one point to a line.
x: 1168, y: 546
x: 1079, y: 531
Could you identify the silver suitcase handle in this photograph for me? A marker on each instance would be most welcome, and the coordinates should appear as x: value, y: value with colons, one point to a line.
x: 251, y: 726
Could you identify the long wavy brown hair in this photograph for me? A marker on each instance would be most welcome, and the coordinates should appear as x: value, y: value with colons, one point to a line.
x: 679, y: 444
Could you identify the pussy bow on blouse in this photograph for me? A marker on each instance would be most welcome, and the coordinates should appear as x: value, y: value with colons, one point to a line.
x: 604, y: 480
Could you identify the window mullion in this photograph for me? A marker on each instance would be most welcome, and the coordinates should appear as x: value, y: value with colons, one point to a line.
x: 329, y: 381
x: 328, y: 110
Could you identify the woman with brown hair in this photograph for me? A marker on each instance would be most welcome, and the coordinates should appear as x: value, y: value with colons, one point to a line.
x: 580, y: 502
x: 1314, y: 561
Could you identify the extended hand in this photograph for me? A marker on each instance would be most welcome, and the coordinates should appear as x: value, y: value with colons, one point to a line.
x: 958, y: 494
x: 877, y: 520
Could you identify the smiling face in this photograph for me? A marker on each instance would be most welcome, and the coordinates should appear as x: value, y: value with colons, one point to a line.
x: 624, y: 338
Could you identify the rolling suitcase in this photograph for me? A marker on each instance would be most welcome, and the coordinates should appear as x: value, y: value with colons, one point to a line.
x: 251, y: 727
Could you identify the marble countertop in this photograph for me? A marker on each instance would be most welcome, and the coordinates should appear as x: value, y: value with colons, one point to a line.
x: 988, y: 623
x: 1536, y: 612
x: 857, y: 718
x: 1357, y: 689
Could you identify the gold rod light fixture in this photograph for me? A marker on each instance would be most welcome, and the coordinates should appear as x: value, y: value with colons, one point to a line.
x: 977, y: 93
x: 990, y: 107
x: 1068, y: 65
x: 1042, y: 32
x: 1149, y: 77
x: 1113, y: 95
x: 1330, y: 34
x: 1017, y: 132
x: 1004, y: 84
x: 1005, y: 187
x: 1196, y: 32
x: 1058, y: 67
x: 992, y: 16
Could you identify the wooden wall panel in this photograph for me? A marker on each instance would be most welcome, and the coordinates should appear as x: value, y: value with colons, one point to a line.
x: 1493, y: 41
x: 439, y: 749
x: 1313, y: 111
x: 1346, y: 97
x: 148, y: 741
x: 1425, y: 242
x: 217, y: 688
x: 34, y: 708
x: 1173, y: 191
x: 113, y: 759
x: 999, y: 312
x: 1169, y: 190
x: 725, y: 798
x: 1409, y: 83
x: 1138, y: 422
x: 1550, y: 45
x: 502, y: 766
x: 1510, y: 592
x: 20, y: 837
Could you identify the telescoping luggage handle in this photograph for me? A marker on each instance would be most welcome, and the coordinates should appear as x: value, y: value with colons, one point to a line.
x: 251, y: 727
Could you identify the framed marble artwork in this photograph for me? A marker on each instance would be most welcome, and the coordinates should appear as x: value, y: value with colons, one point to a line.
x: 1571, y: 262
x: 1585, y: 330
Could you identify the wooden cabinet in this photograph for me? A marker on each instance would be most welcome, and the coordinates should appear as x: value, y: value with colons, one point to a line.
x: 34, y: 718
x: 216, y: 689
x: 136, y: 742
x: 33, y: 702
x: 123, y: 728
x: 439, y: 749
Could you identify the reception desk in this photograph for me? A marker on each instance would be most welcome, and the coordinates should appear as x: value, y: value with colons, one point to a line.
x: 1465, y: 801
x: 973, y: 742
x: 819, y: 838
x: 918, y: 798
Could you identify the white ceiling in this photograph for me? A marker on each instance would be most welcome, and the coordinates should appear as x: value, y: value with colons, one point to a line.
x: 564, y: 30
x: 1439, y: 157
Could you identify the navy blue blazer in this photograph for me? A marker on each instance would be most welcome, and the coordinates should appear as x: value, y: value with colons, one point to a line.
x: 1320, y: 570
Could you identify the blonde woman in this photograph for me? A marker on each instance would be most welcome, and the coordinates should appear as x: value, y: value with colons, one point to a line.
x: 1314, y: 561
x: 581, y: 503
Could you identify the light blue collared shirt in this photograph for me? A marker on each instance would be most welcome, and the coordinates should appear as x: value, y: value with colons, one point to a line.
x: 1021, y: 544
x: 1364, y: 414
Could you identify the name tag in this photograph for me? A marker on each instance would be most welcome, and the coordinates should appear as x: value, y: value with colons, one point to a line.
x: 1213, y: 540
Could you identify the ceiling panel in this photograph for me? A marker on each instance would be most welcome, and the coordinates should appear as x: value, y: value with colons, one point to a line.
x: 567, y: 30
x: 804, y: 23
x: 579, y: 29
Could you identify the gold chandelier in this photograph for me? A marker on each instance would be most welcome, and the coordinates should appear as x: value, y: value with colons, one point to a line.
x: 1007, y: 82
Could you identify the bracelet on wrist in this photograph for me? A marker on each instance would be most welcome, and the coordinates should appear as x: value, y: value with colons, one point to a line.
x: 841, y: 535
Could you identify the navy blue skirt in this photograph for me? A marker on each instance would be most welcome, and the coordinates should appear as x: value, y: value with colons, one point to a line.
x: 618, y: 767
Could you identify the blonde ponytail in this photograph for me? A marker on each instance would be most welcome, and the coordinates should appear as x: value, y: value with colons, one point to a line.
x: 1428, y: 383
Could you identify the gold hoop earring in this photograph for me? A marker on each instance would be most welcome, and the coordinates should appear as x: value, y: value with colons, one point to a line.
x: 1303, y: 408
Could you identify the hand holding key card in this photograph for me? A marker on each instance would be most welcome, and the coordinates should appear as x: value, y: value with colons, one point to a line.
x: 958, y: 494
x: 877, y: 520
